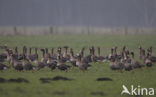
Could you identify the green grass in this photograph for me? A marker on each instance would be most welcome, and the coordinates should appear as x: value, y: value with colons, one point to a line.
x: 83, y: 83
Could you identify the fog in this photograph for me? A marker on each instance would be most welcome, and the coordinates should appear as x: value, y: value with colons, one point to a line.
x: 95, y: 13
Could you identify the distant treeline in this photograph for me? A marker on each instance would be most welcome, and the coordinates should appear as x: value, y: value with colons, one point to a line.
x: 39, y: 30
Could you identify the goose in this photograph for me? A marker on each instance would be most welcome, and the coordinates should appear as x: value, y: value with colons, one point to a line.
x: 8, y: 55
x: 151, y: 55
x: 59, y: 53
x: 111, y: 55
x: 116, y: 55
x: 99, y: 57
x: 82, y: 52
x: 51, y: 63
x: 147, y: 61
x: 3, y: 66
x: 36, y: 54
x: 17, y: 65
x: 46, y: 53
x: 143, y: 56
x: 20, y: 56
x: 40, y: 64
x: 140, y: 52
x: 135, y: 64
x: 93, y: 57
x: 16, y: 53
x: 82, y: 65
x: 43, y: 59
x: 127, y: 64
x: 66, y: 55
x: 115, y: 64
x: 72, y: 57
x: 53, y: 55
x: 31, y: 57
x: 3, y: 56
x: 26, y: 64
x: 60, y: 65
x: 86, y: 59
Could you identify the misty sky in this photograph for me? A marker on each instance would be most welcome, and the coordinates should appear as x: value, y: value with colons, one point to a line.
x: 97, y: 13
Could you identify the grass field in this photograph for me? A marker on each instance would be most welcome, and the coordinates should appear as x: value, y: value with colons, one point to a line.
x: 83, y: 84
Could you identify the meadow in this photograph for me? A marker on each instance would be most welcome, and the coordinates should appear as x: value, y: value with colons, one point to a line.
x: 83, y: 84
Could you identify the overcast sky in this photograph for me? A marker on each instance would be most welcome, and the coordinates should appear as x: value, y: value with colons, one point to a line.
x: 98, y: 13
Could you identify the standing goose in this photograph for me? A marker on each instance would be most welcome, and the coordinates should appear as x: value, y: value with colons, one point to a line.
x: 36, y: 54
x: 72, y: 57
x: 99, y: 57
x: 40, y: 64
x: 61, y: 65
x: 127, y: 63
x: 82, y: 52
x: 82, y: 65
x: 46, y: 54
x: 115, y: 64
x: 16, y: 52
x: 66, y: 55
x: 135, y: 64
x: 51, y: 63
x: 32, y: 57
x: 43, y: 59
x: 151, y: 55
x: 59, y: 53
x: 147, y: 61
x: 93, y: 57
x: 53, y: 55
x: 111, y: 55
x: 17, y: 65
x: 87, y: 59
x: 26, y: 64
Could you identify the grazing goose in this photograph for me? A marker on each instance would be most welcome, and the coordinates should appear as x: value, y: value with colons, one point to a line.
x: 61, y: 65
